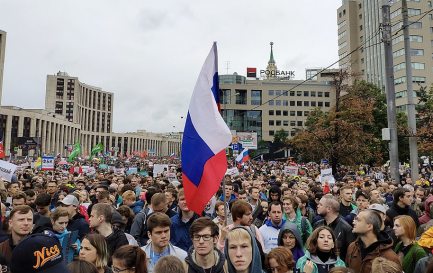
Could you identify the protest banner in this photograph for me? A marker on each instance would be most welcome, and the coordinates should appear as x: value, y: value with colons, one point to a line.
x: 233, y: 171
x: 326, y: 176
x: 48, y: 163
x: 291, y: 170
x: 159, y: 168
x: 7, y: 170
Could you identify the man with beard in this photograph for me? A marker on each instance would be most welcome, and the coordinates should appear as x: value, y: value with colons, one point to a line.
x: 204, y: 257
x: 329, y: 208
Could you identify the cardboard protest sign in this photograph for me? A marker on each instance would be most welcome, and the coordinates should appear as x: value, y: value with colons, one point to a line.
x: 326, y: 176
x: 7, y: 170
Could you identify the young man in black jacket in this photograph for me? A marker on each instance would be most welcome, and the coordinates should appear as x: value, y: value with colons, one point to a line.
x: 329, y: 208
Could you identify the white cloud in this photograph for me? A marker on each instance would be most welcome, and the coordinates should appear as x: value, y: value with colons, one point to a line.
x: 149, y: 53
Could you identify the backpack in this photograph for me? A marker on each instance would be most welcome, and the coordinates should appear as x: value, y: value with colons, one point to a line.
x: 143, y: 232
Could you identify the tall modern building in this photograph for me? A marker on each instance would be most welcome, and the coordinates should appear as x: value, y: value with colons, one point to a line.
x: 74, y: 112
x: 2, y: 59
x: 268, y: 104
x: 359, y: 27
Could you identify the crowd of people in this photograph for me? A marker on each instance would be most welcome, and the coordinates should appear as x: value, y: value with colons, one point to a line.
x: 263, y: 219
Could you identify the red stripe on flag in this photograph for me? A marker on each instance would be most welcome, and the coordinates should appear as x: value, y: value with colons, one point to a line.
x: 213, y: 173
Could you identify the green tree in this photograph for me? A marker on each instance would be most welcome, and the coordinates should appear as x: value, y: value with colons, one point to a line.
x: 351, y: 131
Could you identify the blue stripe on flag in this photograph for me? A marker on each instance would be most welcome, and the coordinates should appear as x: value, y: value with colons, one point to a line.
x: 215, y: 88
x: 195, y: 153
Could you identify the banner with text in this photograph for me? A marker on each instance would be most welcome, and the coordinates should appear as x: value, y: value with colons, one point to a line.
x: 7, y: 170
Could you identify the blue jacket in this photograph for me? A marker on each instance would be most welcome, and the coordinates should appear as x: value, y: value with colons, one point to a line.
x: 137, y: 206
x: 179, y: 231
x: 62, y: 239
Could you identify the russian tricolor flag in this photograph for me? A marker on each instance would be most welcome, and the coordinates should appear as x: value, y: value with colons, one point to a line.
x: 243, y: 156
x: 205, y: 139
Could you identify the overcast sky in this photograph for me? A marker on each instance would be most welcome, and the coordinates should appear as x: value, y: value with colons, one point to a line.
x: 149, y: 53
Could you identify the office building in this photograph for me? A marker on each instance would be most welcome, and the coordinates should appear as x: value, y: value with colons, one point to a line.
x: 75, y: 112
x: 359, y: 27
x: 271, y: 103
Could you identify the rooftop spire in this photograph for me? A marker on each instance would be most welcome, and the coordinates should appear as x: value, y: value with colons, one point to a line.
x: 271, y: 58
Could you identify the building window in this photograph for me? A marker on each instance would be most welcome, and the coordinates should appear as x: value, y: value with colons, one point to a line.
x: 271, y: 112
x: 292, y: 93
x: 256, y: 97
x: 326, y: 94
x: 306, y: 93
x: 285, y: 113
x: 271, y: 102
x: 327, y: 103
x: 271, y: 132
x: 292, y: 103
x: 320, y: 94
x: 299, y: 113
x: 278, y: 113
x: 299, y: 123
x: 285, y: 123
x: 320, y: 103
x: 278, y: 102
x: 299, y: 93
x: 277, y: 92
x: 225, y: 96
x: 292, y: 113
x: 285, y: 103
x: 278, y: 123
x: 271, y: 93
x: 271, y: 123
x: 306, y: 103
x: 292, y: 123
x: 313, y: 93
x: 299, y: 103
x: 313, y: 104
x: 306, y: 113
x: 241, y: 96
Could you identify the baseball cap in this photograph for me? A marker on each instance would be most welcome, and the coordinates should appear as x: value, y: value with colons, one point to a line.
x: 40, y: 253
x: 70, y: 200
x: 378, y: 207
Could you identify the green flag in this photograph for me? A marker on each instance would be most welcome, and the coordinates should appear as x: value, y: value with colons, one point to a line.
x: 97, y: 149
x: 75, y: 152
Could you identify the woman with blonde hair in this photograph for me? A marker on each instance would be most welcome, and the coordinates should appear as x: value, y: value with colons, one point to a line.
x: 407, y: 248
x: 280, y: 260
x: 382, y: 265
x: 94, y: 250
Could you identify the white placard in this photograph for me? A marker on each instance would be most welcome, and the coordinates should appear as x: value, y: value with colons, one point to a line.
x: 326, y: 176
x: 159, y: 168
x: 233, y: 171
x: 7, y: 170
x: 291, y: 170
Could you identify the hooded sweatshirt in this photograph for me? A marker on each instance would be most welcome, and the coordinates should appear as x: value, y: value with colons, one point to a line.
x: 256, y: 263
x: 319, y: 265
x: 64, y: 238
x: 426, y: 216
x: 193, y: 267
x: 297, y: 251
x: 270, y: 234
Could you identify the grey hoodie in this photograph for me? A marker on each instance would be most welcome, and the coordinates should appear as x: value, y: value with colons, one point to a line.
x: 256, y: 263
x: 298, y: 251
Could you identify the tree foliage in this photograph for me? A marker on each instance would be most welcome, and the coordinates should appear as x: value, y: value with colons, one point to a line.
x: 350, y: 132
x: 425, y: 121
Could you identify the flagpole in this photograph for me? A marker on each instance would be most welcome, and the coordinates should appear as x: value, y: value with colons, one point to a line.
x: 225, y: 203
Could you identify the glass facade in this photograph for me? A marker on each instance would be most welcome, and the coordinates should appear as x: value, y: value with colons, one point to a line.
x: 243, y: 120
x: 256, y: 97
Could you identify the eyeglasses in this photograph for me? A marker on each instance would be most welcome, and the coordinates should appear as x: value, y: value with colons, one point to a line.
x: 117, y: 270
x: 206, y: 237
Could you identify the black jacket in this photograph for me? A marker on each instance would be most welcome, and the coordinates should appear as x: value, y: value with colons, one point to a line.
x: 343, y: 233
x: 194, y: 268
x: 116, y: 240
x: 79, y: 223
x: 395, y: 210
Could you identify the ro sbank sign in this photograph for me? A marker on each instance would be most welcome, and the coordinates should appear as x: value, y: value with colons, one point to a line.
x: 277, y: 73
